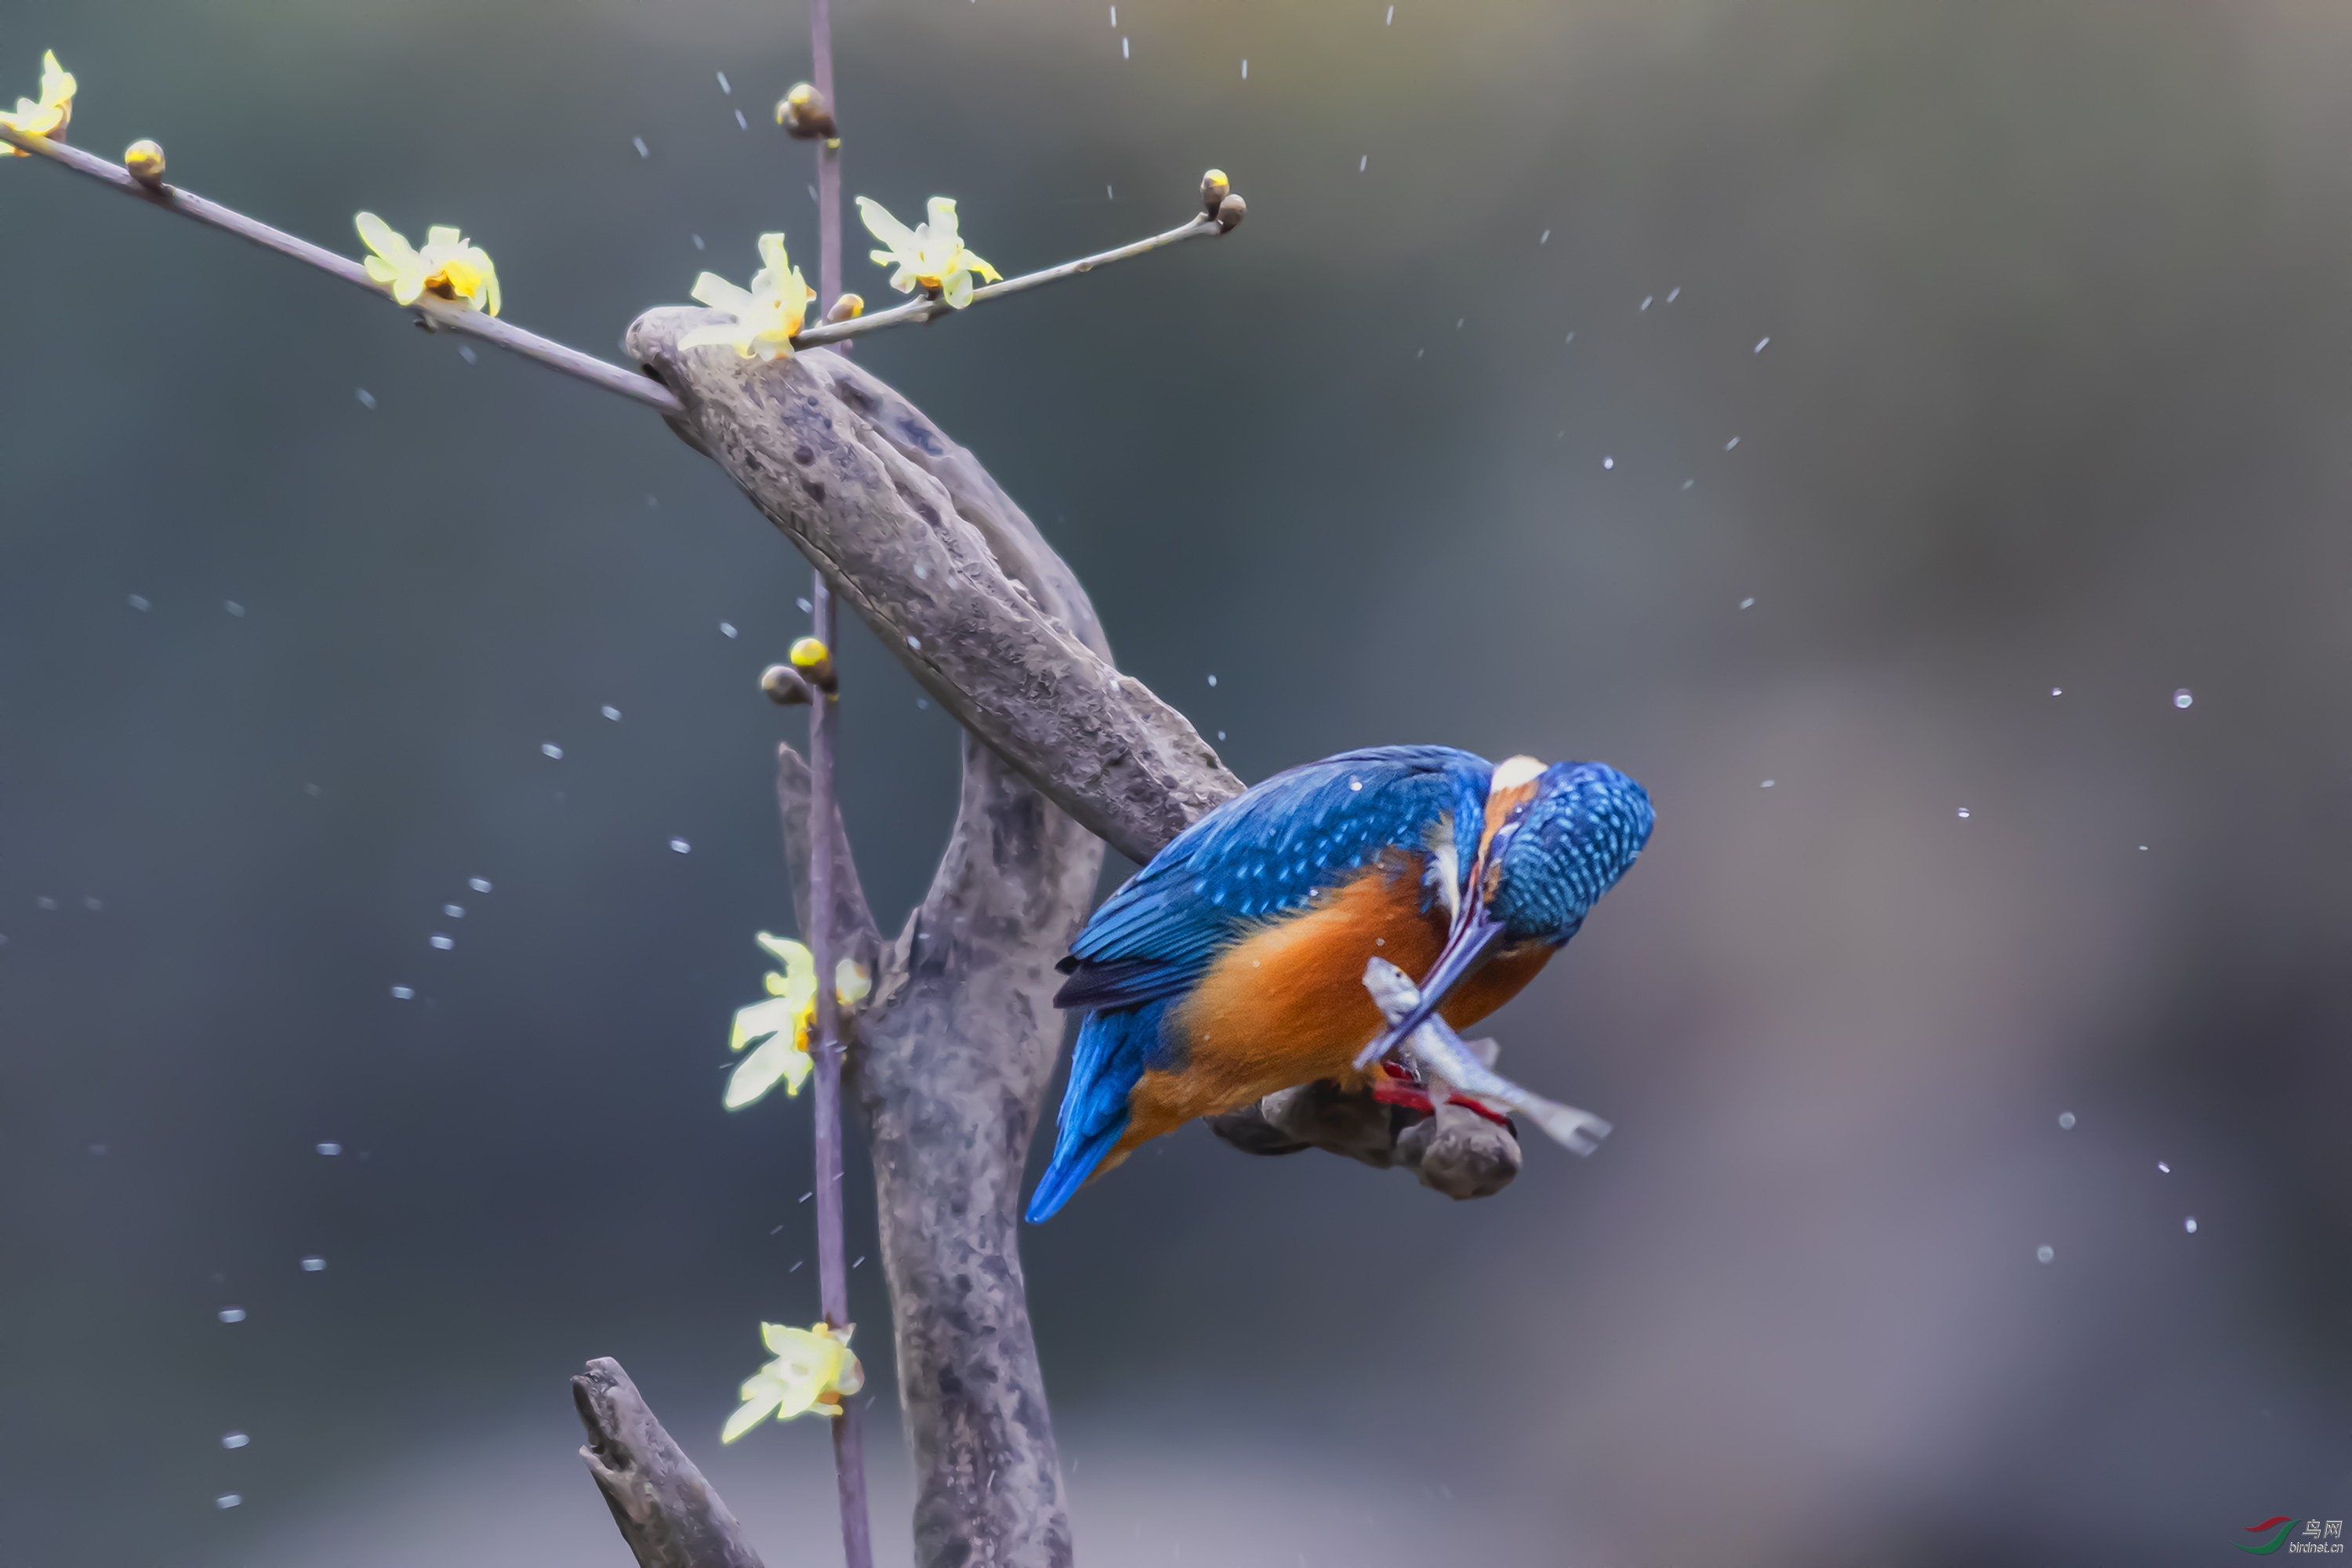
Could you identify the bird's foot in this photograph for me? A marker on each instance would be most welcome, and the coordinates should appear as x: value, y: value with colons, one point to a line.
x: 1450, y: 1067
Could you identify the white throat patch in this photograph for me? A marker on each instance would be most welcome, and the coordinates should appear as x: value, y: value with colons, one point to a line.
x: 1513, y: 772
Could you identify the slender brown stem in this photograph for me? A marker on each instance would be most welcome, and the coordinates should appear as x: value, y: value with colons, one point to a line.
x: 825, y: 716
x: 922, y: 308
x: 430, y: 314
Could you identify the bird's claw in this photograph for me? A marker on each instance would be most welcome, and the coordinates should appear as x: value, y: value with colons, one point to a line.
x: 1453, y: 1067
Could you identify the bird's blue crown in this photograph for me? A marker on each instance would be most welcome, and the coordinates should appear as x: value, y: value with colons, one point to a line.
x: 1584, y: 825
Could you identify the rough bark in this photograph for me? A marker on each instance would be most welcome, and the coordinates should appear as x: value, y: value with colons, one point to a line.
x: 923, y: 545
x: 949, y: 1062
x: 665, y: 1510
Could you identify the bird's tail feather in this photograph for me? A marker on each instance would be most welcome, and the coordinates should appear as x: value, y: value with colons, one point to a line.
x: 1106, y: 1066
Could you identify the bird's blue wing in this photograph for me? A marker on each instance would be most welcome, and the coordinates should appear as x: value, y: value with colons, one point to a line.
x: 1263, y: 854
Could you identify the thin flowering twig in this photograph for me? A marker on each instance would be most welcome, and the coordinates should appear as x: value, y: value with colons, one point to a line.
x: 435, y: 316
x: 923, y: 308
x: 428, y: 313
x: 833, y: 1277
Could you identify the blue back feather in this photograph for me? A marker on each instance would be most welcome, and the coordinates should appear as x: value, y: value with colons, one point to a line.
x: 1265, y: 854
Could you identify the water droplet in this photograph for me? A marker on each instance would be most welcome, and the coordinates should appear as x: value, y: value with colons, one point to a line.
x: 549, y: 750
x: 1964, y: 814
x: 1391, y: 22
x: 1213, y: 680
x: 1747, y: 603
x: 97, y: 1151
x: 331, y: 1150
x: 233, y: 607
x: 1355, y: 784
x: 138, y: 602
x: 806, y: 608
x: 442, y: 940
x: 2044, y: 1253
x: 227, y: 1499
x: 680, y: 845
x: 2181, y: 699
x: 367, y: 398
x: 1646, y: 300
x: 1688, y: 483
x: 698, y: 242
x: 639, y: 143
x: 1363, y: 162
x: 722, y: 84
x: 1607, y: 462
x: 2165, y: 1168
x: 1728, y: 446
x: 402, y: 993
x: 466, y: 351
x: 611, y: 712
x: 314, y: 1266
x: 1221, y: 734
x: 1123, y: 54
x: 1768, y: 783
x: 234, y: 1440
x: 2066, y: 1119
x: 726, y: 628
x: 2057, y: 692
x: 482, y: 884
x: 455, y: 912
x: 1674, y: 293
x: 1245, y: 70
x: 232, y: 1314
x: 915, y: 643
x: 1760, y: 342
x: 2189, y: 1225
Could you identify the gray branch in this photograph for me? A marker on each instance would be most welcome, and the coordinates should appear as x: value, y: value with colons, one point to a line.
x: 916, y: 536
x: 951, y: 1056
x: 665, y: 1510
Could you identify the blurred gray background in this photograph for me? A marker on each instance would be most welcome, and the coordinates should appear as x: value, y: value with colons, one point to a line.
x: 2058, y: 395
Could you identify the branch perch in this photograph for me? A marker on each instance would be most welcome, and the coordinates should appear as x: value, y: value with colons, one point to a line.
x: 935, y: 557
x: 665, y: 1510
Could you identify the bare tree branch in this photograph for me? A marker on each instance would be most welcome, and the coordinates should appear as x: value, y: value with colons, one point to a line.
x: 665, y: 1510
x: 919, y: 539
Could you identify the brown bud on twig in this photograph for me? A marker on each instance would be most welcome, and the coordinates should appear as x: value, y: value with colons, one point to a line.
x: 1214, y: 188
x: 807, y: 116
x: 784, y: 686
x: 848, y: 308
x: 145, y: 162
x: 1230, y: 213
x: 814, y: 661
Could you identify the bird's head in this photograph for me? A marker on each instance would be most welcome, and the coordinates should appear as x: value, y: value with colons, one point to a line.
x: 1554, y: 839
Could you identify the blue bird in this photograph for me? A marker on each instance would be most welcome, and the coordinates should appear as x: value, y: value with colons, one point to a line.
x: 1233, y: 965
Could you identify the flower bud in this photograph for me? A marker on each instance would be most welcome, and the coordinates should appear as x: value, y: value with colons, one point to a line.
x: 848, y: 308
x: 805, y: 116
x: 1214, y: 188
x: 814, y: 661
x: 784, y: 686
x: 145, y: 162
x: 1230, y: 213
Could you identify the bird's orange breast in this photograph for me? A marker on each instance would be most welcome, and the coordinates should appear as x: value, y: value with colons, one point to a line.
x: 1287, y: 1006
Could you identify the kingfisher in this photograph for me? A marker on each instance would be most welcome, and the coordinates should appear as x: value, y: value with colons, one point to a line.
x: 1233, y: 965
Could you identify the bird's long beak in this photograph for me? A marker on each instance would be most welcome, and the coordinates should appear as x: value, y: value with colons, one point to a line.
x: 1472, y: 936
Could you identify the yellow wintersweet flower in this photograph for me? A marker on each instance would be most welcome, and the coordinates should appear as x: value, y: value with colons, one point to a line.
x: 813, y: 1372
x: 50, y: 116
x: 780, y: 1026
x: 447, y: 268
x: 767, y: 315
x: 931, y: 256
